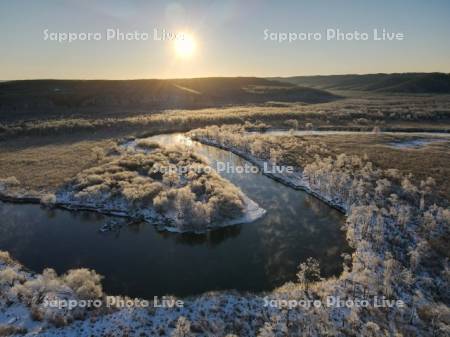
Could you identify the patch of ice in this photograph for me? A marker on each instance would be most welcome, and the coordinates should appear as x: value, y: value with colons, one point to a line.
x: 415, y: 143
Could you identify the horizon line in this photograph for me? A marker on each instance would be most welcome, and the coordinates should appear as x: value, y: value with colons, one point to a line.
x: 206, y: 77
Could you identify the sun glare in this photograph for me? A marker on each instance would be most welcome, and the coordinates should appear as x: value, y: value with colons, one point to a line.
x: 185, y: 47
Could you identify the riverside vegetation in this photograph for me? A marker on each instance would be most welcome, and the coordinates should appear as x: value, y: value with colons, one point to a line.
x: 170, y: 186
x: 172, y: 182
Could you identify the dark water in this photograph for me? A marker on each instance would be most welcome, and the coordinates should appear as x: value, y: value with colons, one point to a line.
x: 141, y: 262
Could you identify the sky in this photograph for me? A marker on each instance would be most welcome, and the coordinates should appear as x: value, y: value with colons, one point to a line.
x: 228, y: 38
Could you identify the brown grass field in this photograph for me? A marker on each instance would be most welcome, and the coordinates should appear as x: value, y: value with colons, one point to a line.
x: 47, y: 166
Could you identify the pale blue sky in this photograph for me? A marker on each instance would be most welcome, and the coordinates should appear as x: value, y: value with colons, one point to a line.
x: 229, y: 37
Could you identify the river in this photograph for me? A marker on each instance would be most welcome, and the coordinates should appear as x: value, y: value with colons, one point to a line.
x: 140, y: 261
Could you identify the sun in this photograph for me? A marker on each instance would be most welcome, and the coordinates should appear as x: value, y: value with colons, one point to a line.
x: 185, y: 46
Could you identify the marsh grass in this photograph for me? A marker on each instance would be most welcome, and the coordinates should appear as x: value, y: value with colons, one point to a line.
x: 364, y: 112
x: 48, y: 166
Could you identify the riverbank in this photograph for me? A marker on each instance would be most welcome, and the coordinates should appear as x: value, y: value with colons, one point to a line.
x: 294, y: 180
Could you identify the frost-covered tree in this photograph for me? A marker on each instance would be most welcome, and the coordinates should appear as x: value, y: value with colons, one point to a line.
x: 292, y: 123
x: 308, y: 272
x: 9, y: 276
x: 390, y: 275
x: 371, y: 329
x: 266, y: 331
x: 182, y: 328
x: 84, y: 282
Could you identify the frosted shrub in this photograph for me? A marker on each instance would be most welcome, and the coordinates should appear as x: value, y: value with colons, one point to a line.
x: 161, y: 202
x: 182, y: 328
x: 275, y: 156
x: 98, y: 152
x: 309, y: 126
x: 9, y: 276
x: 94, y: 179
x: 142, y: 192
x: 228, y: 203
x: 189, y: 210
x: 257, y: 148
x: 361, y: 121
x: 171, y: 178
x: 266, y: 331
x: 292, y: 123
x: 8, y: 183
x: 84, y: 282
x: 308, y: 272
x: 78, y: 284
x: 147, y: 144
x: 10, y: 330
x: 48, y: 199
x: 34, y: 290
x: 5, y: 258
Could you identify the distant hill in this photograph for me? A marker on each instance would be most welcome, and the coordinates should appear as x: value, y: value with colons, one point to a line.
x: 396, y: 83
x: 46, y: 98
